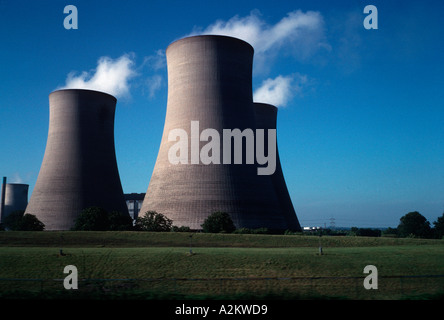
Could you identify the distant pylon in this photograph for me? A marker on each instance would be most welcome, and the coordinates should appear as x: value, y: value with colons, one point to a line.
x: 332, y: 223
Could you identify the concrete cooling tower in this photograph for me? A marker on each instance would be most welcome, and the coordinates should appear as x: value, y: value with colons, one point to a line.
x: 15, y: 198
x: 79, y: 168
x: 266, y: 118
x: 209, y: 92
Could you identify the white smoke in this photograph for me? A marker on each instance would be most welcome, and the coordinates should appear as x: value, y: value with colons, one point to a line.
x: 299, y: 35
x: 302, y: 33
x: 280, y: 90
x: 156, y: 63
x: 110, y: 76
x: 154, y: 84
x: 16, y: 178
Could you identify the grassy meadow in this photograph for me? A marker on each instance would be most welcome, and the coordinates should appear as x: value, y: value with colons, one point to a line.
x: 144, y: 265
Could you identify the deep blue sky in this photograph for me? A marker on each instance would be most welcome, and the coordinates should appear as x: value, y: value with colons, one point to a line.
x: 360, y: 131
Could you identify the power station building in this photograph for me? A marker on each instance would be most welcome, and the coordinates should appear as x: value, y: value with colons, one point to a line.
x: 79, y: 168
x: 134, y: 203
x: 209, y: 91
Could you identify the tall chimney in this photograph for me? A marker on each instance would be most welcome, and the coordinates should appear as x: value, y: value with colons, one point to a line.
x: 2, y: 203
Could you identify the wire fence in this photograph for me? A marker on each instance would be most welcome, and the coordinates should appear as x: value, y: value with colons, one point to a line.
x: 388, y: 287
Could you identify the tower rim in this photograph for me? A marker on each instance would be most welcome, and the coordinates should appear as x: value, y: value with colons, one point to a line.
x: 265, y: 105
x: 82, y: 90
x: 209, y: 36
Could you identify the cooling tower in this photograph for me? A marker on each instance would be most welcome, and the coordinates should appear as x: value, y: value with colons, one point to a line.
x: 266, y: 118
x: 79, y: 168
x: 16, y: 198
x: 210, y: 87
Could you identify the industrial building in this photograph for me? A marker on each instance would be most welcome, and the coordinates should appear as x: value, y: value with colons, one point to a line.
x: 134, y: 203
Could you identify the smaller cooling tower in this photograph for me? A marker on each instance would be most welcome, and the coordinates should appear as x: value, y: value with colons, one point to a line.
x: 266, y: 118
x: 79, y: 168
x: 16, y: 198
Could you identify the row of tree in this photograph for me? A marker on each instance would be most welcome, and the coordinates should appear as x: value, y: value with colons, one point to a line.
x: 97, y: 219
x: 18, y: 221
x: 413, y: 224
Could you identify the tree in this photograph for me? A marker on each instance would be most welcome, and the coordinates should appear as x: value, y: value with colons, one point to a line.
x: 439, y: 227
x: 98, y: 219
x: 12, y: 221
x: 153, y: 221
x: 414, y: 224
x: 390, y: 232
x: 119, y: 221
x: 365, y: 232
x: 29, y: 222
x: 180, y: 229
x: 218, y: 222
x: 18, y: 221
x: 92, y: 219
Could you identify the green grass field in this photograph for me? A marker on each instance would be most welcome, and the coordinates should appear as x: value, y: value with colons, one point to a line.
x: 145, y: 265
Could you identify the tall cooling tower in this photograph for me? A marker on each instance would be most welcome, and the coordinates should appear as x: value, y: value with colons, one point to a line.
x: 79, y: 168
x: 266, y: 118
x: 210, y: 87
x: 16, y: 198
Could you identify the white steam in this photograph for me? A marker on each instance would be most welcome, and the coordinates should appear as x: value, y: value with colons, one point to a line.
x: 156, y: 63
x: 280, y: 90
x: 110, y: 76
x: 302, y: 33
x: 153, y: 84
x: 299, y: 35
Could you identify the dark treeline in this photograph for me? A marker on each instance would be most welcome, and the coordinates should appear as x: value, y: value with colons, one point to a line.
x: 413, y: 225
